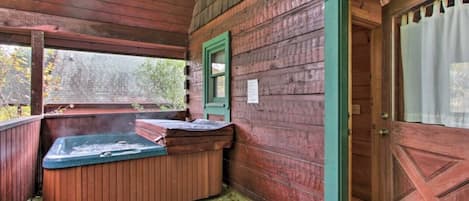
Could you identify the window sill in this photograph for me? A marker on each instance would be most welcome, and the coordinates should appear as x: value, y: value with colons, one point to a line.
x: 215, y: 105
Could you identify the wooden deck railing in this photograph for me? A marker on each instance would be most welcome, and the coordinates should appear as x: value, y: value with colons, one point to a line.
x: 19, y: 145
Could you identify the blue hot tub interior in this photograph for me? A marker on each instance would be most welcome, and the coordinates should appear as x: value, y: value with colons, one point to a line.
x: 95, y: 149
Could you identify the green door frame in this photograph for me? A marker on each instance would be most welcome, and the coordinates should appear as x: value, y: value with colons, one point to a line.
x: 336, y: 100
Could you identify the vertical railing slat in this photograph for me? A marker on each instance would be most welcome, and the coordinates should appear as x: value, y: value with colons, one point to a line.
x: 19, y: 143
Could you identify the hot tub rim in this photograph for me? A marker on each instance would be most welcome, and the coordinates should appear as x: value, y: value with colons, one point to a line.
x: 151, y: 150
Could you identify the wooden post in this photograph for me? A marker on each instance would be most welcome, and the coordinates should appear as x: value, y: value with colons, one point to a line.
x: 37, y: 73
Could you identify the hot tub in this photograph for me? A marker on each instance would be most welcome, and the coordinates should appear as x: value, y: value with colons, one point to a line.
x: 127, y: 167
x: 76, y: 151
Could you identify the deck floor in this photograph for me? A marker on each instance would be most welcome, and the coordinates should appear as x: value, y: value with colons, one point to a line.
x: 356, y: 199
x: 228, y: 194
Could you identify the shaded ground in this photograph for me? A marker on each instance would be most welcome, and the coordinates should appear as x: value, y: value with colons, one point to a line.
x: 228, y: 194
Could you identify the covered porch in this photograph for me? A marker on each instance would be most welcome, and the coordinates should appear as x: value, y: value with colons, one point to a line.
x: 279, y: 145
x: 316, y: 94
x: 105, y: 36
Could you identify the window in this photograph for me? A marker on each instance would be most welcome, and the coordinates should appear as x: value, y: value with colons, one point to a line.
x: 15, y: 82
x: 435, y: 64
x: 216, y: 71
x: 90, y: 82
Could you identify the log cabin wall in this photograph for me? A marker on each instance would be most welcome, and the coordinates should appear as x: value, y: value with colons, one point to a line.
x: 19, y: 143
x: 278, y: 152
x: 207, y: 10
x: 361, y: 118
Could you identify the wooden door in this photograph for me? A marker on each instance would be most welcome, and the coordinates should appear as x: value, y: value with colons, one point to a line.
x: 419, y: 162
x: 429, y: 162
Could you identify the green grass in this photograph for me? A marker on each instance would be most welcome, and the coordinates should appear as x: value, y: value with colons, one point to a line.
x: 10, y: 112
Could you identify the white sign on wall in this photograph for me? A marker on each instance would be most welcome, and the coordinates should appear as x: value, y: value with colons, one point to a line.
x: 253, y: 91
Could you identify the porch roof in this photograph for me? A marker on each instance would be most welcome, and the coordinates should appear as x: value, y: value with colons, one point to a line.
x: 138, y: 27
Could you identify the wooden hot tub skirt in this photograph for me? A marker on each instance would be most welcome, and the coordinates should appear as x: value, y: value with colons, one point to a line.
x: 181, y: 177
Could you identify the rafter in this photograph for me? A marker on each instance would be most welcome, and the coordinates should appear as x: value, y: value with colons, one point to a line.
x: 62, y: 25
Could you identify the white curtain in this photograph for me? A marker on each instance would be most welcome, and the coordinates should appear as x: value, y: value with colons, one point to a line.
x: 435, y: 58
x: 412, y: 72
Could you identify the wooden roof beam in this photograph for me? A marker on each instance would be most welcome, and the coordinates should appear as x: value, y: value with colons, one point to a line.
x: 366, y: 13
x: 17, y: 36
x: 51, y: 24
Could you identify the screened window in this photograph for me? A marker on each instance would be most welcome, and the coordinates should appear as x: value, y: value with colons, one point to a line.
x: 15, y: 82
x: 79, y: 81
x: 216, y: 54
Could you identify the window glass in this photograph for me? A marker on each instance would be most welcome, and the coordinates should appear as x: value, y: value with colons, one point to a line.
x: 220, y: 87
x: 15, y: 82
x: 218, y: 62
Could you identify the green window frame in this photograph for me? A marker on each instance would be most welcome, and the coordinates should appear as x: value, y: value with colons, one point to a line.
x: 216, y: 100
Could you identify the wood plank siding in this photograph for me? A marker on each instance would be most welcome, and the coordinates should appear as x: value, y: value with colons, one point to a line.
x: 19, y: 143
x: 181, y: 177
x: 207, y: 10
x: 278, y: 151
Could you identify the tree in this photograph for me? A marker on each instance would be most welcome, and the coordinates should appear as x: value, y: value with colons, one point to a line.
x: 51, y: 80
x: 15, y: 76
x: 15, y: 80
x: 164, y: 79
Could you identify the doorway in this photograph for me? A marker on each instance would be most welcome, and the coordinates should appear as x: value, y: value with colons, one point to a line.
x: 361, y: 113
x: 361, y: 106
x: 365, y: 98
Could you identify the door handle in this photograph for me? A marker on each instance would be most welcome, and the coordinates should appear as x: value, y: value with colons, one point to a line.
x: 383, y: 132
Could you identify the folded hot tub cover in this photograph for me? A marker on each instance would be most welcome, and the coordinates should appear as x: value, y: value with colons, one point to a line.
x: 183, y: 137
x: 196, y: 125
